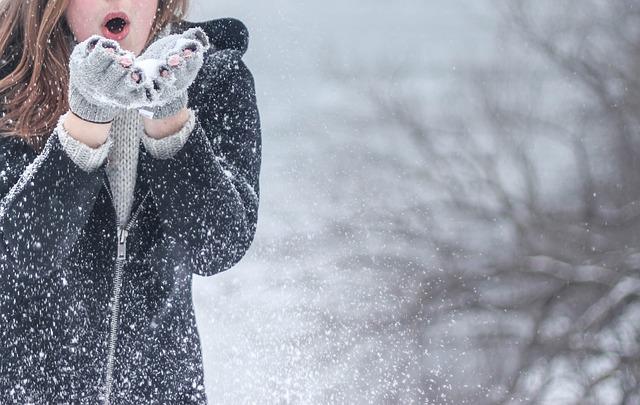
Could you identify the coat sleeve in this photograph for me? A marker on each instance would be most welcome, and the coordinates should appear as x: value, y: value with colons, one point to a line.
x: 45, y: 202
x: 207, y: 194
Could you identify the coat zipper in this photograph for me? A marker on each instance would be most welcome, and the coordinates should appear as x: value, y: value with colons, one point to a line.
x: 121, y: 258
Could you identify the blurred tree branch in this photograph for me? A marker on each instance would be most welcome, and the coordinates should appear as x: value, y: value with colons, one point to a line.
x: 526, y: 201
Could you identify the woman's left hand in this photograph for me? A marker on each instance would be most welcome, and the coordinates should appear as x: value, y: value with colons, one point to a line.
x: 166, y: 70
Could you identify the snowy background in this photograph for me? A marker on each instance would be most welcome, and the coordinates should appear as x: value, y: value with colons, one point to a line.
x: 399, y: 256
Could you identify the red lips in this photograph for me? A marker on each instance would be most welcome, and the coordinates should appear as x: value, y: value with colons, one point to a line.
x: 115, y: 26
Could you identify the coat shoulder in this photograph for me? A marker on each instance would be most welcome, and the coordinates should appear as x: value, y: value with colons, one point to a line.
x: 223, y: 33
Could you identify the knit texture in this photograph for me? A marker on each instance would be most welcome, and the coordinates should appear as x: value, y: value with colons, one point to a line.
x: 168, y: 91
x: 99, y: 86
x: 88, y: 111
x: 121, y: 151
x: 167, y: 147
x: 123, y: 162
x: 171, y: 108
x: 83, y: 155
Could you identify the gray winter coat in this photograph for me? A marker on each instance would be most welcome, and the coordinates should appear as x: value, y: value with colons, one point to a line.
x: 81, y: 299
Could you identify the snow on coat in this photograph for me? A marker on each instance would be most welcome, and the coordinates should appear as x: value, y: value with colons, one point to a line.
x: 196, y: 213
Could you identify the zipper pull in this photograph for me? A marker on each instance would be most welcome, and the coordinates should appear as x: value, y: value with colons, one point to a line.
x: 122, y: 243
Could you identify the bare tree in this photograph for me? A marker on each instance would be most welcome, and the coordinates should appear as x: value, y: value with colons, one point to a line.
x: 527, y: 207
x: 570, y: 265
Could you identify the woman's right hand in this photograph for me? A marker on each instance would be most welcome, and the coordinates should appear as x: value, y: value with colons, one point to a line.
x: 100, y: 80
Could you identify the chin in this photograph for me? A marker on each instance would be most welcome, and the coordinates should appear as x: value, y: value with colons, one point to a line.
x: 137, y: 50
x: 129, y: 46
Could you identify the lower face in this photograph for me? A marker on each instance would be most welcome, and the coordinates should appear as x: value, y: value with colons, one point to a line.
x: 128, y: 22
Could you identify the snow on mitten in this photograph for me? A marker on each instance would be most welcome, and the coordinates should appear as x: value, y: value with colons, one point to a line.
x: 100, y: 82
x: 166, y: 70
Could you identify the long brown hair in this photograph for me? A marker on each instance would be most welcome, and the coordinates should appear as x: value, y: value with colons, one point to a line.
x: 35, y: 47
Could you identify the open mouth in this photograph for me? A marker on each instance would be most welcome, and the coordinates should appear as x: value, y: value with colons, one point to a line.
x: 115, y: 26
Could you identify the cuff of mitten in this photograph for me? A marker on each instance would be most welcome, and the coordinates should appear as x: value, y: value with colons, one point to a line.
x: 89, y: 112
x: 172, y: 108
x: 167, y: 147
x: 88, y: 158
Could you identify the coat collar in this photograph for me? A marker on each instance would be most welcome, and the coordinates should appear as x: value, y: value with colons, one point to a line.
x: 223, y: 33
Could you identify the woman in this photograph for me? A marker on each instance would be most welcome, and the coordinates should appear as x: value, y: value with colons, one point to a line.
x: 130, y: 159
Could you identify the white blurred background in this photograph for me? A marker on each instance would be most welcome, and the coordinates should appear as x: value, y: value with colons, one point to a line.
x: 447, y: 206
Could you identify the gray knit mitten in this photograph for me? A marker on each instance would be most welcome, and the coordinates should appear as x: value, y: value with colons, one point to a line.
x: 100, y: 82
x: 166, y: 70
